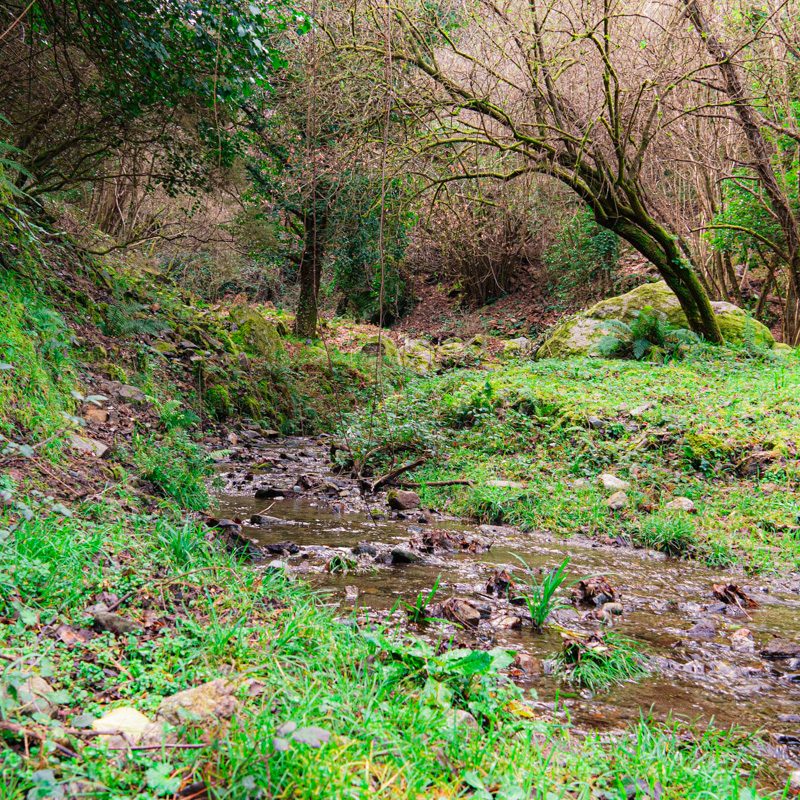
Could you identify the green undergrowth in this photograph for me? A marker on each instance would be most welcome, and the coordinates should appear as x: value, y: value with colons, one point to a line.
x: 37, y: 367
x: 390, y: 705
x: 720, y: 427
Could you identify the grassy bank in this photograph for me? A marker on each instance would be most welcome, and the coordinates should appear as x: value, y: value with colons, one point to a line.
x: 719, y: 428
x: 385, y: 707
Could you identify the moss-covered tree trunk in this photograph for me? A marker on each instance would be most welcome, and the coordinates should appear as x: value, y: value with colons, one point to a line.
x: 660, y: 247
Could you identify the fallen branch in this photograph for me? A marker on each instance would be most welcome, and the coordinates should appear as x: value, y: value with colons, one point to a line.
x: 21, y: 730
x: 453, y: 482
x: 392, y: 474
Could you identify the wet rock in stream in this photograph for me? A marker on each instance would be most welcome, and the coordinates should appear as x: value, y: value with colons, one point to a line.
x: 403, y: 555
x: 781, y: 649
x: 705, y: 630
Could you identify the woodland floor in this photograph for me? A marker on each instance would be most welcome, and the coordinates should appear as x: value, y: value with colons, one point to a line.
x: 116, y: 592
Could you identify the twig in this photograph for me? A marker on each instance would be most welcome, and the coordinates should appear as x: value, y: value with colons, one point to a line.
x: 453, y: 482
x: 172, y: 745
x: 392, y: 474
x: 21, y: 730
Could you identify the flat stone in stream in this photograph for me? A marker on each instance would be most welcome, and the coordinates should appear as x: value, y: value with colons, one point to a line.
x: 781, y: 649
x: 364, y: 549
x: 272, y: 493
x: 265, y: 519
x: 402, y: 555
x: 705, y: 630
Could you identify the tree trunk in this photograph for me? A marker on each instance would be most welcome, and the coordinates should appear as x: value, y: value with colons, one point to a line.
x: 315, y: 222
x: 661, y: 248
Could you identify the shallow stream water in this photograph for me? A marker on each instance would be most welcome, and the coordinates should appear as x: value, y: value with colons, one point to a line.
x: 691, y: 680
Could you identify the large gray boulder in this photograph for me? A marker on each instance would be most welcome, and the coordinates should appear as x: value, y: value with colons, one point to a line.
x: 579, y: 335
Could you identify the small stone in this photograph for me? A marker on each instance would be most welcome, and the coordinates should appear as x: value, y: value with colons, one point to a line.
x: 114, y: 623
x: 681, y: 504
x: 265, y: 519
x: 596, y: 423
x: 208, y: 702
x: 743, y: 641
x: 125, y: 721
x: 95, y: 416
x: 617, y: 501
x: 529, y: 664
x: 401, y: 500
x: 32, y: 696
x: 276, y: 565
x: 401, y: 555
x: 581, y: 483
x: 364, y: 549
x: 131, y: 394
x: 705, y: 630
x: 794, y: 781
x: 85, y: 444
x: 612, y: 610
x: 612, y: 483
x: 506, y: 623
x: 642, y: 409
x: 459, y: 717
x: 351, y: 593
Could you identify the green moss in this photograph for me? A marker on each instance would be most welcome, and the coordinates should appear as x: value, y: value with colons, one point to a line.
x: 38, y: 369
x: 705, y: 449
x: 579, y: 335
x: 384, y: 343
x: 254, y: 334
x: 218, y: 402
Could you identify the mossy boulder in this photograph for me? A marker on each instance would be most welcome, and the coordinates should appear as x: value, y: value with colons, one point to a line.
x: 418, y: 356
x: 579, y: 335
x: 517, y: 348
x: 255, y: 334
x: 383, y: 344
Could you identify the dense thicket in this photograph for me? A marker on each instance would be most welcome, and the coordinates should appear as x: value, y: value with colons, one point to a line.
x: 258, y: 147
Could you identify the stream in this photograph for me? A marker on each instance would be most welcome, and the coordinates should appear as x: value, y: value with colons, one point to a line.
x: 700, y: 674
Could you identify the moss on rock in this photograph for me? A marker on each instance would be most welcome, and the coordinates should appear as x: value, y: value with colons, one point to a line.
x: 384, y: 344
x: 218, y: 402
x: 254, y: 333
x: 579, y: 335
x: 418, y: 356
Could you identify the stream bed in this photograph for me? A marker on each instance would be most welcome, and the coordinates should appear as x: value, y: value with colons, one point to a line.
x: 701, y: 670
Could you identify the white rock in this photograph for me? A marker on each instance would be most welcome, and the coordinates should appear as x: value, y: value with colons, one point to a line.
x: 680, y: 504
x: 613, y: 483
x: 126, y: 727
x: 126, y: 721
x: 743, y: 641
x: 83, y: 444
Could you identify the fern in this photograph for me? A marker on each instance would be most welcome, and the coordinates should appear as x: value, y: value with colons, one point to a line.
x: 649, y: 335
x: 126, y: 318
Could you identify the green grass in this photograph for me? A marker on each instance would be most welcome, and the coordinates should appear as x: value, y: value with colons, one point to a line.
x: 541, y: 596
x: 387, y: 702
x: 697, y: 430
x: 599, y: 661
x: 176, y: 466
